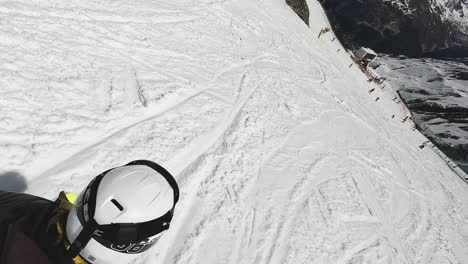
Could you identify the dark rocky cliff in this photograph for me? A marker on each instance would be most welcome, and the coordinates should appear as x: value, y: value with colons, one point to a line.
x: 415, y: 30
x: 301, y: 8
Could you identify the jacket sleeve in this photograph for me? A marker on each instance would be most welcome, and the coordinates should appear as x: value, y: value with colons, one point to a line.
x: 30, y: 211
x: 28, y: 215
x: 20, y: 249
x: 16, y: 205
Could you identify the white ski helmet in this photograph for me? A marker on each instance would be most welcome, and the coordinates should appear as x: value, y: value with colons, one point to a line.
x: 122, y: 213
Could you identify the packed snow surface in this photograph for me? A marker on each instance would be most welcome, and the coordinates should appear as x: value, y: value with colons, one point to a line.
x: 281, y: 153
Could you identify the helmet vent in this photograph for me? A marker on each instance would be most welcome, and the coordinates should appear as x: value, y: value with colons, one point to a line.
x: 91, y: 258
x: 117, y: 204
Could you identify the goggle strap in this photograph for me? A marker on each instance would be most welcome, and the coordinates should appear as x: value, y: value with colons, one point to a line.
x: 154, y: 227
x: 90, y: 225
x: 131, y: 232
x: 83, y: 238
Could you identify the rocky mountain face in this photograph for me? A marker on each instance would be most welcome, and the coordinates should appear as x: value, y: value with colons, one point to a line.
x: 301, y: 8
x: 436, y: 91
x: 409, y: 27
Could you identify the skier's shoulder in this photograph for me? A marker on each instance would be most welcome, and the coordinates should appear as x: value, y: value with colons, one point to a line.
x: 20, y: 248
x: 24, y: 220
x: 15, y: 205
x: 7, y: 197
x: 17, y: 247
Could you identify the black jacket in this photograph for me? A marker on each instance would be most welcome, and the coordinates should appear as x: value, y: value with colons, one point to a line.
x: 25, y: 234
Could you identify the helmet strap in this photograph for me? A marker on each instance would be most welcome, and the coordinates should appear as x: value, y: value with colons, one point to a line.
x: 84, y: 237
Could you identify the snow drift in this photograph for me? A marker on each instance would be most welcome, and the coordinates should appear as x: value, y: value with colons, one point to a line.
x: 281, y: 153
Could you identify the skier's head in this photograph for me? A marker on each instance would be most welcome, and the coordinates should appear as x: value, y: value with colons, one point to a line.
x: 122, y: 213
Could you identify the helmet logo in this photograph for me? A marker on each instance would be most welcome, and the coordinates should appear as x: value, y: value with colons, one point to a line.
x: 98, y: 233
x: 130, y: 248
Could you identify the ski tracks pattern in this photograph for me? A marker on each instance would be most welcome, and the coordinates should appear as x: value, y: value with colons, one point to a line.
x: 279, y: 155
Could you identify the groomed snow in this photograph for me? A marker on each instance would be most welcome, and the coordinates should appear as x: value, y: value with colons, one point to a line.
x: 281, y: 153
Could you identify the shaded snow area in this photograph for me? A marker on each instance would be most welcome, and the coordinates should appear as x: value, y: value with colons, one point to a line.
x: 437, y: 93
x: 281, y: 153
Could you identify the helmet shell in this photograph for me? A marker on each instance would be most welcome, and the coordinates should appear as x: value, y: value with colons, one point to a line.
x: 128, y: 194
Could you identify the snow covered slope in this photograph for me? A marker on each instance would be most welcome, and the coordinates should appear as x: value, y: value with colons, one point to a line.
x: 281, y: 153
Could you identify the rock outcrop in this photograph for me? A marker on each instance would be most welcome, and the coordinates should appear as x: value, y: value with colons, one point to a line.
x: 301, y: 9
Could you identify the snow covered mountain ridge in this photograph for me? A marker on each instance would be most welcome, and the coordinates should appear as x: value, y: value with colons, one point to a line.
x: 436, y: 91
x: 282, y: 153
x: 409, y: 27
x: 451, y: 11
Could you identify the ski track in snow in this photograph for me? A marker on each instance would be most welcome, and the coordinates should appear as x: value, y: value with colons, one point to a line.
x: 281, y: 154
